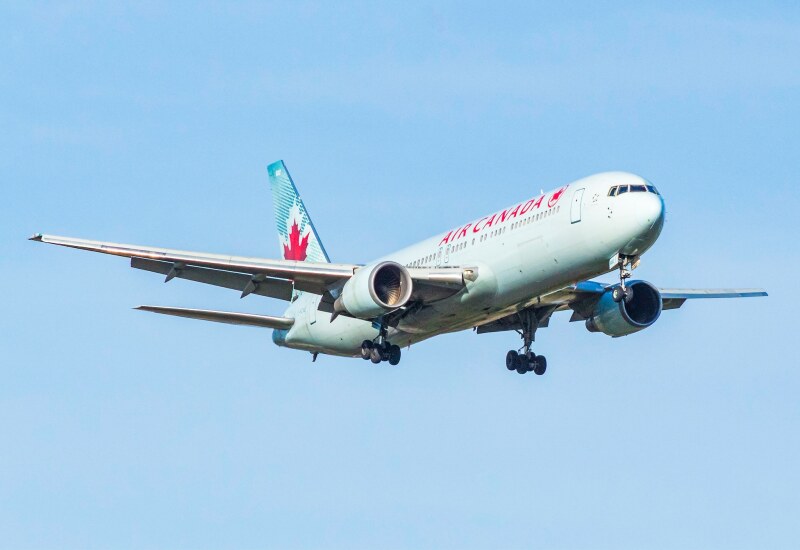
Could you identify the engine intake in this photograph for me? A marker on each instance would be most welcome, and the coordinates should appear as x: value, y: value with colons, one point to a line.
x: 626, y: 316
x: 372, y: 292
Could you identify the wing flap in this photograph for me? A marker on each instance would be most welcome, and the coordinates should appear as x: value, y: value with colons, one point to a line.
x: 269, y: 287
x: 231, y: 318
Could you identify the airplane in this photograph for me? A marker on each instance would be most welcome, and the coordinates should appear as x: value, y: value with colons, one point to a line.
x: 510, y: 270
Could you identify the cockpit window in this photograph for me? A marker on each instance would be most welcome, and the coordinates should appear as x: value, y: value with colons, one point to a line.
x: 620, y: 189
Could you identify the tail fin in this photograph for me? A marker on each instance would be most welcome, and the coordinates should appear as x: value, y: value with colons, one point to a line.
x: 296, y: 234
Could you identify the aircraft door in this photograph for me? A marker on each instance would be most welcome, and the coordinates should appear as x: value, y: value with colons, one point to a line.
x: 575, y: 211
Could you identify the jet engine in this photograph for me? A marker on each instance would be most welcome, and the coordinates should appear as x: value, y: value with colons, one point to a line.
x: 632, y: 314
x: 371, y: 292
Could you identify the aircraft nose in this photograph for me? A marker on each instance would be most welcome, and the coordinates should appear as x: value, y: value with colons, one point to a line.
x: 651, y: 211
x: 647, y: 214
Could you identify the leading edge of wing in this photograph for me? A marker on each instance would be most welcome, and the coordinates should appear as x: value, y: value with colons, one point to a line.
x: 288, y: 269
x: 232, y: 318
x: 694, y: 293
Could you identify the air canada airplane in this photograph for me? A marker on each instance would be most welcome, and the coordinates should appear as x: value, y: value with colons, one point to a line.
x: 506, y: 271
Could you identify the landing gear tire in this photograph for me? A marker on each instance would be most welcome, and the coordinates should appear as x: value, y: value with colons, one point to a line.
x: 540, y: 365
x: 512, y: 360
x: 619, y: 294
x: 378, y: 352
x: 525, y: 360
x: 394, y: 354
x: 366, y: 349
x: 529, y: 361
x: 380, y: 349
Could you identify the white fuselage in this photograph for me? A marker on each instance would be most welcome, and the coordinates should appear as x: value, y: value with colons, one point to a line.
x: 518, y: 254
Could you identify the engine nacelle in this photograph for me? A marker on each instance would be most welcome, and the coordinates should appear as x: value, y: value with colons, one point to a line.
x: 626, y: 317
x: 372, y: 292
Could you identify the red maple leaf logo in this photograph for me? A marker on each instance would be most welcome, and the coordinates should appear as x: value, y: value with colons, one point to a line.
x: 557, y: 195
x: 296, y: 249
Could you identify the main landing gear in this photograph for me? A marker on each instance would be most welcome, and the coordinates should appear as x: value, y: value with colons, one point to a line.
x: 524, y: 360
x: 380, y: 350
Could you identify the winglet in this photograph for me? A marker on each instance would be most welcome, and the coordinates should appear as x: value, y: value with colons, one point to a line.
x: 35, y: 237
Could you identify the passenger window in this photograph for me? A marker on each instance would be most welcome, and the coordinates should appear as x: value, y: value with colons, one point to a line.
x: 622, y: 189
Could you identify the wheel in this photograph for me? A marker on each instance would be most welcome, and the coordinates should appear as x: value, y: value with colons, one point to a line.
x: 366, y: 348
x: 540, y: 365
x: 375, y: 355
x: 628, y: 294
x: 394, y: 354
x: 529, y: 361
x: 617, y: 294
x: 512, y: 360
x: 522, y: 369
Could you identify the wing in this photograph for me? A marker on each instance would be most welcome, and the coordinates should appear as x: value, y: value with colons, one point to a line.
x: 582, y: 297
x: 264, y: 321
x: 673, y: 298
x: 265, y: 277
x: 217, y: 269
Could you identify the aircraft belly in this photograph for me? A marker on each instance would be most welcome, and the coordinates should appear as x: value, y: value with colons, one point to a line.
x: 343, y: 336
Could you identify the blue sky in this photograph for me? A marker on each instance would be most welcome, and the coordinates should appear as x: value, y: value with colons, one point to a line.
x: 153, y: 123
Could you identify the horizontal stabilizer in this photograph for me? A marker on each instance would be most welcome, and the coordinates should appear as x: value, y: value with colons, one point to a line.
x: 264, y: 321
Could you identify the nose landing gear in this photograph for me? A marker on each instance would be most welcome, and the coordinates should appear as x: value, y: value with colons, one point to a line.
x: 524, y: 360
x: 622, y: 292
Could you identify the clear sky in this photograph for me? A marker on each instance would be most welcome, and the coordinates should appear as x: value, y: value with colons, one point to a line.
x: 153, y: 123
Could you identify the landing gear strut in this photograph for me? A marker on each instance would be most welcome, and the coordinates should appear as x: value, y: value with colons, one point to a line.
x: 622, y: 292
x: 380, y: 349
x: 524, y: 360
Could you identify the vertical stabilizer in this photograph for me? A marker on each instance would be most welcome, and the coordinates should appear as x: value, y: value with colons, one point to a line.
x: 297, y: 236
